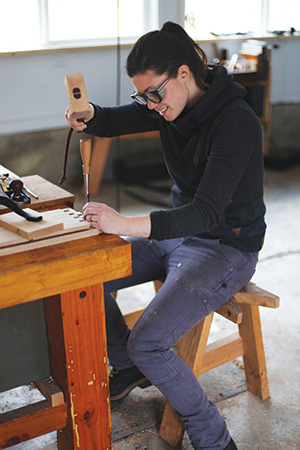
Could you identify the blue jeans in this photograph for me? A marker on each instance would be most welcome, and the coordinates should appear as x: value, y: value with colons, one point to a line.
x: 200, y: 276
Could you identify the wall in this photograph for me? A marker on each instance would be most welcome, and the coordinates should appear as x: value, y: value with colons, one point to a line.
x: 33, y: 93
x: 33, y: 100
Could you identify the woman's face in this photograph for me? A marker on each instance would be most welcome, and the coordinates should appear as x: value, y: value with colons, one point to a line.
x: 176, y: 92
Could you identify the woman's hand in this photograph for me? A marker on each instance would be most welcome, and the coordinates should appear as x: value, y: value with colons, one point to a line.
x: 77, y: 125
x: 108, y: 220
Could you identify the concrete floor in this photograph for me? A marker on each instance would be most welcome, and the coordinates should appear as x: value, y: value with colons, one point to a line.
x: 272, y: 424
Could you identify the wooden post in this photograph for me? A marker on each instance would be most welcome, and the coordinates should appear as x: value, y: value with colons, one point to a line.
x: 254, y: 355
x: 84, y: 375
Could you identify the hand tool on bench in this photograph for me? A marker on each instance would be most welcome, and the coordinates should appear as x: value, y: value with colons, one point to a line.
x: 86, y: 151
x: 6, y: 201
x: 29, y: 191
x: 14, y: 189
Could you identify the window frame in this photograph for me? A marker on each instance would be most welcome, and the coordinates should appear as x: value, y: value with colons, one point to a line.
x: 150, y: 21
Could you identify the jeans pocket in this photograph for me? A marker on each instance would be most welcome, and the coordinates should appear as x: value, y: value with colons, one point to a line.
x: 236, y: 257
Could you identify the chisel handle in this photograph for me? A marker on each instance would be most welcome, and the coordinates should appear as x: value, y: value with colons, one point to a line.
x: 86, y: 151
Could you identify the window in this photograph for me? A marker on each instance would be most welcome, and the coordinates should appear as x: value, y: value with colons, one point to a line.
x: 283, y: 17
x: 19, y: 24
x: 73, y: 20
x: 205, y: 19
x: 33, y: 24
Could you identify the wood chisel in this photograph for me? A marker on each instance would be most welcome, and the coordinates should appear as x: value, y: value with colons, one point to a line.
x: 86, y: 151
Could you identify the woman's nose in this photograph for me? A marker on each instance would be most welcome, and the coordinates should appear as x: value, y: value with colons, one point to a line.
x: 151, y: 105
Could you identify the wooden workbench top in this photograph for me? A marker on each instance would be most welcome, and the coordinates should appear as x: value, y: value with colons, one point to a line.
x: 43, y: 272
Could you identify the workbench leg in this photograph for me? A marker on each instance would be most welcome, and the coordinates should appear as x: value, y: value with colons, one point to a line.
x: 78, y: 357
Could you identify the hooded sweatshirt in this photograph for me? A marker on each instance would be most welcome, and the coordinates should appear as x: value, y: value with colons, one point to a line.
x: 213, y: 153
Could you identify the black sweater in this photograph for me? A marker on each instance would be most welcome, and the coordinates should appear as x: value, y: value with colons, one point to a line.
x: 213, y: 153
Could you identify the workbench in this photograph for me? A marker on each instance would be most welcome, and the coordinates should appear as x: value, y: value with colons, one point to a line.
x: 69, y: 275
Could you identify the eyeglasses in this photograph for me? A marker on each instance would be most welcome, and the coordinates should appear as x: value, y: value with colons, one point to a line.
x: 153, y: 95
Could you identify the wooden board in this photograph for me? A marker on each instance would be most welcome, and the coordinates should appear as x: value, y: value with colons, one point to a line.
x: 46, y: 242
x: 54, y: 223
x: 8, y: 238
x: 30, y: 230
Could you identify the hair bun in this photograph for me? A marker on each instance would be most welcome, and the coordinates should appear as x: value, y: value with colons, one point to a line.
x: 170, y: 26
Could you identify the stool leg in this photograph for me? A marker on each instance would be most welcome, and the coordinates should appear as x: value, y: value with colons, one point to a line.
x: 191, y: 350
x: 254, y: 354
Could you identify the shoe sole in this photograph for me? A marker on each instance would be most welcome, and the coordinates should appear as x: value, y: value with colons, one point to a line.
x: 143, y: 383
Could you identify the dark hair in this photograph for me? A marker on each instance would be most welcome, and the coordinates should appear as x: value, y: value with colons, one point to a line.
x: 165, y: 50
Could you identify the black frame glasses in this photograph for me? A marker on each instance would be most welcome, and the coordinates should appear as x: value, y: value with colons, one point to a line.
x: 153, y: 95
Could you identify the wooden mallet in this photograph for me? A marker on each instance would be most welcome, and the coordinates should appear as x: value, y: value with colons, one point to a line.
x: 77, y: 96
x: 79, y: 109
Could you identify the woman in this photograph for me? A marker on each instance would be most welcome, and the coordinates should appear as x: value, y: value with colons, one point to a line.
x: 206, y: 246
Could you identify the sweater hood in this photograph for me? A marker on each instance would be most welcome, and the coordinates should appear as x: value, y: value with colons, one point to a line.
x: 222, y: 90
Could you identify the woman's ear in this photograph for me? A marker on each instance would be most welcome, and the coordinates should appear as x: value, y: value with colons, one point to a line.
x: 184, y: 72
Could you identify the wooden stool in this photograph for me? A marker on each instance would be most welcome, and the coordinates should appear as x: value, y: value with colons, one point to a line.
x: 242, y: 309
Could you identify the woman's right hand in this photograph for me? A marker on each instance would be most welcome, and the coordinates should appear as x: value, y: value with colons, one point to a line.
x: 74, y: 123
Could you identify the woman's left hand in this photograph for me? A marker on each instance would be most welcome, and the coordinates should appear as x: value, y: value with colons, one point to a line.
x: 106, y: 219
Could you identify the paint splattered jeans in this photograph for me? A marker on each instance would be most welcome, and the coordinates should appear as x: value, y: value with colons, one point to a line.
x: 200, y: 276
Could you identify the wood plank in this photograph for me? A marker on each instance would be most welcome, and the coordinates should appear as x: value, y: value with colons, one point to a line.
x: 222, y: 351
x: 47, y: 271
x: 254, y: 295
x: 9, y: 238
x: 55, y: 222
x: 30, y: 422
x: 231, y: 311
x: 46, y: 242
x: 50, y: 391
x: 29, y: 230
x: 71, y: 220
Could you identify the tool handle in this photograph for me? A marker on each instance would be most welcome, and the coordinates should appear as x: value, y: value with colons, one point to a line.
x: 11, y: 205
x: 86, y: 151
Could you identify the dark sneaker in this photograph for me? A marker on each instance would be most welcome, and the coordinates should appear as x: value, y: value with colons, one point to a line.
x: 121, y: 382
x: 231, y: 446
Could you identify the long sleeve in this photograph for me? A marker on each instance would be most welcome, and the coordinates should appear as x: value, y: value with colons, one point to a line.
x: 121, y: 120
